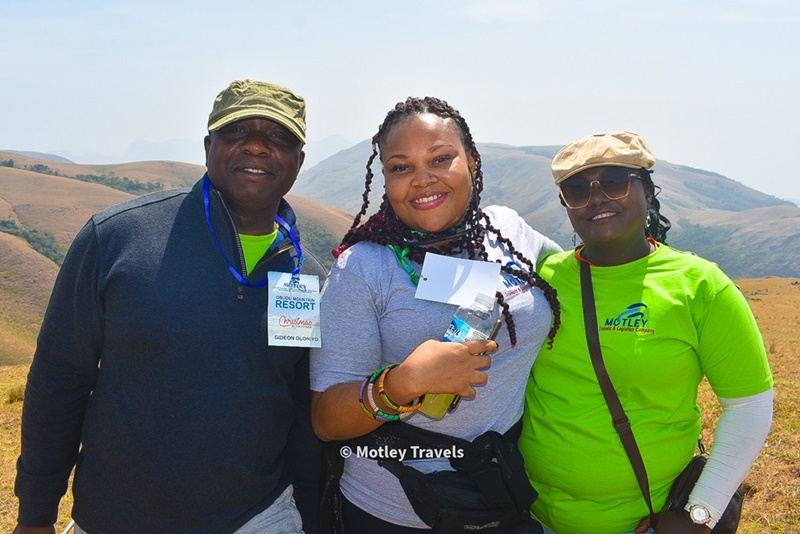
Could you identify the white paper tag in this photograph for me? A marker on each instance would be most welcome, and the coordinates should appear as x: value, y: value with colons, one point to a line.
x: 456, y: 280
x: 293, y: 310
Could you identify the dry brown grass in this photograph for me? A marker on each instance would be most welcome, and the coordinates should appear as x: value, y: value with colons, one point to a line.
x: 169, y: 173
x: 10, y: 377
x: 772, y: 505
x: 26, y: 280
x: 12, y: 380
x: 60, y: 205
x: 54, y: 204
x: 334, y: 220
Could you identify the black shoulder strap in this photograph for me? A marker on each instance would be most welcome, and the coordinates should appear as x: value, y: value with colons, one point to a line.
x: 621, y: 422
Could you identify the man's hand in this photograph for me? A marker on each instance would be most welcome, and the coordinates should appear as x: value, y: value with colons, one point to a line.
x: 672, y: 523
x: 22, y: 529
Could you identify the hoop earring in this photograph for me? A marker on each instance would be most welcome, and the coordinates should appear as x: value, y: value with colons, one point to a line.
x: 647, y: 221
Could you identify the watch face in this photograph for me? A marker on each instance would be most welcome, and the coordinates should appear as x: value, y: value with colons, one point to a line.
x: 699, y: 514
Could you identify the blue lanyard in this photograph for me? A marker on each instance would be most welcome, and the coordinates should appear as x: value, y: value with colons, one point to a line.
x: 296, y: 243
x: 234, y: 271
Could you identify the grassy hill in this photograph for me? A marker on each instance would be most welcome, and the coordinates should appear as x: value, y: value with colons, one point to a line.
x: 48, y: 196
x: 43, y: 203
x: 748, y: 233
x: 26, y: 280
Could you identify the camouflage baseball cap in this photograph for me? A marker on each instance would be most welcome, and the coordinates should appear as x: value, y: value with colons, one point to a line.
x: 246, y: 99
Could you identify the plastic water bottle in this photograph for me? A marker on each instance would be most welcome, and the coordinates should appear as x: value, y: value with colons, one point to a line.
x: 468, y: 323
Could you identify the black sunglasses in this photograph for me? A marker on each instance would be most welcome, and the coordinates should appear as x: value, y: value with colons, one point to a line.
x: 615, y: 183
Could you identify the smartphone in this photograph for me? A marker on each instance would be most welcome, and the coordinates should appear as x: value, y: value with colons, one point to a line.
x: 436, y: 405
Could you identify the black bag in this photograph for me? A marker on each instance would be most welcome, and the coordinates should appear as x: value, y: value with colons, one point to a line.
x: 488, y: 492
x: 679, y: 495
x: 331, y: 520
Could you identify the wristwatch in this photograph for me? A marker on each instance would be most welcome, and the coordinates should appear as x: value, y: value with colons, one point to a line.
x: 699, y: 514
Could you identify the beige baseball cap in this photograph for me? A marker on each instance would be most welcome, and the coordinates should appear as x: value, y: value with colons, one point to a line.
x: 620, y: 149
x: 245, y: 99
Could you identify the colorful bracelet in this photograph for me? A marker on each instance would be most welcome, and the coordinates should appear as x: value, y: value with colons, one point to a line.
x: 371, y: 399
x: 361, y: 398
x: 412, y: 406
x: 374, y: 410
x: 380, y: 415
x: 376, y: 413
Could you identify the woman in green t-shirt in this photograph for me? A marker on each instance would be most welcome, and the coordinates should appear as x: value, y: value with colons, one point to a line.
x: 665, y: 320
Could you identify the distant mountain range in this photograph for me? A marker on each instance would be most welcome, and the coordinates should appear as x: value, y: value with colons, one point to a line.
x: 748, y: 233
x: 38, y: 155
x: 185, y: 150
x: 46, y: 199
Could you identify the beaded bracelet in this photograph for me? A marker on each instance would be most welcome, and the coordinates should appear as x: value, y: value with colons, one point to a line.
x: 412, y: 406
x: 380, y: 414
x: 371, y: 399
x: 376, y: 413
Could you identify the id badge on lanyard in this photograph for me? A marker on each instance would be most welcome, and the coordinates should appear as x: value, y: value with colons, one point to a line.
x: 293, y: 310
x: 293, y: 307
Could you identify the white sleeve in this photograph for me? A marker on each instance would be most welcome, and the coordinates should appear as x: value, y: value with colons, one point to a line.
x: 532, y: 244
x: 741, y: 431
x: 549, y: 248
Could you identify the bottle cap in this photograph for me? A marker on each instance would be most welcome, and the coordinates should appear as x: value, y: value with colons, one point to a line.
x: 484, y: 301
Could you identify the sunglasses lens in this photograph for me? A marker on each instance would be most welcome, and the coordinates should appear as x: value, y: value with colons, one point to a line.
x: 575, y: 192
x: 615, y: 183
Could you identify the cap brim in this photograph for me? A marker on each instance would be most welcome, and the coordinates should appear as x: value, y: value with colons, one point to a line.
x: 592, y: 165
x: 239, y: 115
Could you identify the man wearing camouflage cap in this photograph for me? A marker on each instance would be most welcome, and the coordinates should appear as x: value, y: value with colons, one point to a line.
x: 153, y: 372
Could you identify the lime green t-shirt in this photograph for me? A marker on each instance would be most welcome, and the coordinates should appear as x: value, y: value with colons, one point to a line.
x: 255, y: 246
x: 665, y: 320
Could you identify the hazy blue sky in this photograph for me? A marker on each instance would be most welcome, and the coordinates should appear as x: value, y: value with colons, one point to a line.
x: 710, y: 84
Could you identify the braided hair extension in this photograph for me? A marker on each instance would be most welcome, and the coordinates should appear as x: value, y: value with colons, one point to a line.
x: 659, y: 225
x: 385, y: 228
x: 531, y: 277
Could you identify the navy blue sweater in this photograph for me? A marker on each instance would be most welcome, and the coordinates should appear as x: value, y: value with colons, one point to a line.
x: 153, y: 359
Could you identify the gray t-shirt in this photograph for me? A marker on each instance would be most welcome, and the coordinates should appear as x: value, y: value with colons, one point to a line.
x: 370, y: 318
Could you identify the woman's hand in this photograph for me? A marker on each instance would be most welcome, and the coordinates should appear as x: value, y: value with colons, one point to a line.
x: 441, y: 367
x: 433, y: 367
x: 672, y: 523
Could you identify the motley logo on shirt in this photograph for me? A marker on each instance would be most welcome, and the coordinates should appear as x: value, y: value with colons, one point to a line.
x: 631, y: 319
x: 511, y: 284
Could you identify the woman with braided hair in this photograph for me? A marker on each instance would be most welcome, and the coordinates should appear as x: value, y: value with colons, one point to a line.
x: 371, y: 319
